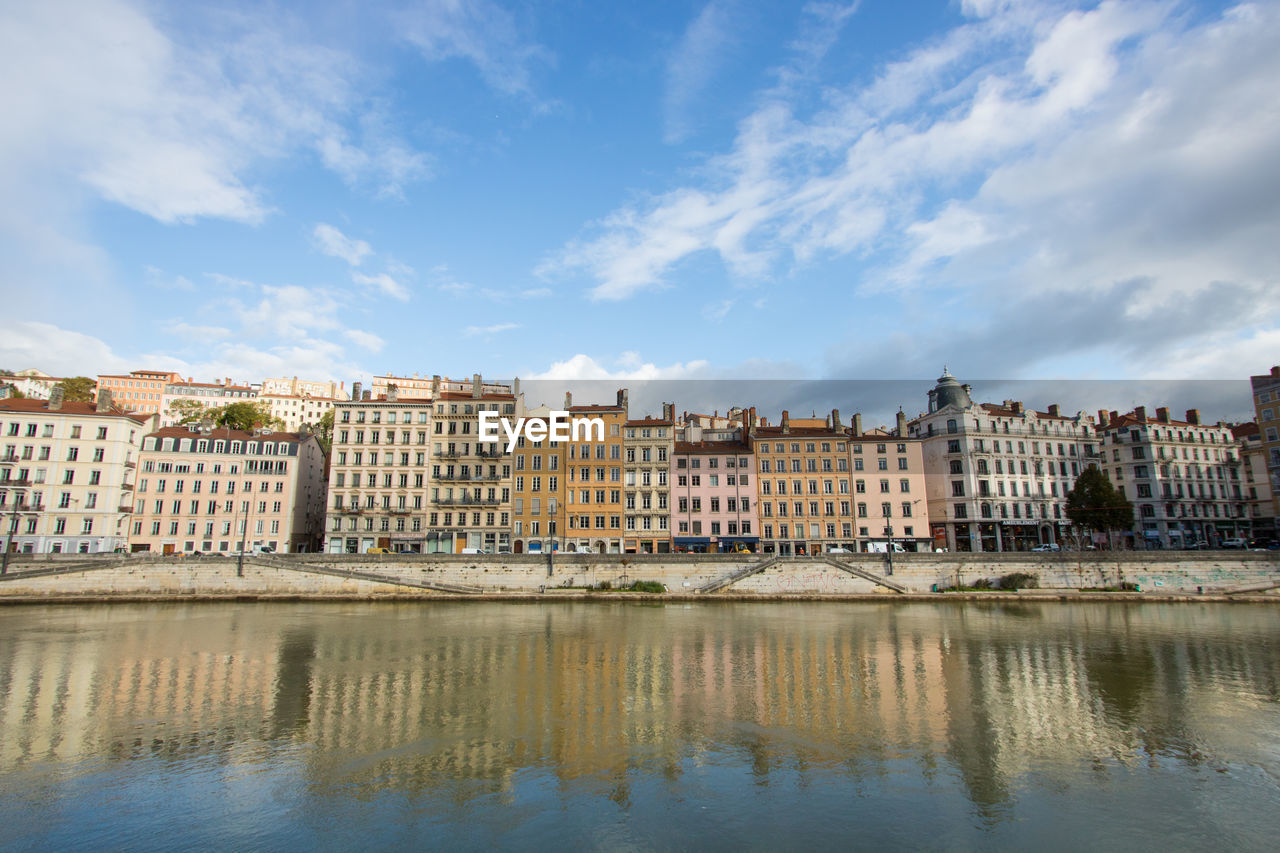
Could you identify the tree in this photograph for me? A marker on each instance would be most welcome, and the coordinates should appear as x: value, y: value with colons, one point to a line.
x: 246, y: 416
x: 188, y: 411
x: 77, y: 389
x: 1095, y: 504
x: 324, y: 430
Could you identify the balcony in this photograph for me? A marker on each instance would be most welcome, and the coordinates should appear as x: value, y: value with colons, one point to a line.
x: 445, y: 454
x: 15, y: 484
x: 466, y: 501
x: 470, y: 478
x: 399, y: 511
x: 8, y: 458
x: 129, y: 464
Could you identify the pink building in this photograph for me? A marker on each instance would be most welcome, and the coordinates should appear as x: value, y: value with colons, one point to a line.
x: 713, y: 496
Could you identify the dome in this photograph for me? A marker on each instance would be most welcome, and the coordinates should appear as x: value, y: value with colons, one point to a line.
x: 949, y: 392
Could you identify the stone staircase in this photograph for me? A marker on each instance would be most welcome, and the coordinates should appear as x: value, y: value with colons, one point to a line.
x: 866, y: 575
x: 734, y: 577
x: 296, y: 565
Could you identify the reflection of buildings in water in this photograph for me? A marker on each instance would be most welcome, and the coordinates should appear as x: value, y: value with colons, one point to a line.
x: 413, y: 697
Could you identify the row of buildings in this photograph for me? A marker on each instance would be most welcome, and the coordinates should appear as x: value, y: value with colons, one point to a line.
x: 407, y: 470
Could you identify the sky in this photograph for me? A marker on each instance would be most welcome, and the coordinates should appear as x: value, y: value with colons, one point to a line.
x: 667, y: 190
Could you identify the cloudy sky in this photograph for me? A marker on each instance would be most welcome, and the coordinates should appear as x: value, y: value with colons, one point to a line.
x: 1021, y: 190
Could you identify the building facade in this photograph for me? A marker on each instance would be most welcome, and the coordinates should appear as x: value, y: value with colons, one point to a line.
x: 206, y: 395
x: 221, y: 491
x: 1183, y: 477
x: 1256, y: 480
x: 997, y: 476
x: 67, y: 474
x: 295, y: 387
x: 647, y: 447
x: 140, y: 390
x: 713, y: 493
x: 378, y: 468
x: 1266, y: 401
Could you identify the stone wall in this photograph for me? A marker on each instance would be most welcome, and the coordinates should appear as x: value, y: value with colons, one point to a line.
x: 374, y: 575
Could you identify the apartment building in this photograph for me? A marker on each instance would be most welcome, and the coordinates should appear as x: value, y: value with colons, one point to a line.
x: 67, y: 473
x: 295, y: 387
x: 539, y: 490
x: 297, y: 410
x: 997, y: 475
x: 32, y: 383
x: 1266, y: 401
x: 714, y: 494
x: 1183, y: 477
x: 219, y: 491
x: 594, y: 503
x: 208, y: 395
x: 1255, y: 479
x: 140, y: 390
x: 890, y: 497
x: 469, y: 491
x: 417, y: 387
x: 802, y: 473
x: 648, y: 444
x: 378, y: 468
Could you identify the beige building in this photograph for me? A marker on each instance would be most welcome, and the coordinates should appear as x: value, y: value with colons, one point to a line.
x: 216, y: 490
x: 1266, y: 401
x: 295, y: 387
x: 417, y: 387
x: 1256, y: 482
x: 67, y: 473
x: 296, y: 410
x: 1183, y: 477
x: 648, y: 446
x: 378, y: 467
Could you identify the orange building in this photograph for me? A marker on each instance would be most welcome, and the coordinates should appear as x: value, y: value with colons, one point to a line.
x: 139, y: 390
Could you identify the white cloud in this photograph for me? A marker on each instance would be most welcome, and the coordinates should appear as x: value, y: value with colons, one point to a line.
x: 717, y: 311
x: 474, y: 331
x: 693, y: 63
x: 480, y: 32
x: 334, y: 243
x: 382, y: 283
x: 56, y: 351
x: 99, y: 94
x: 367, y: 340
x: 630, y: 366
x: 1028, y: 157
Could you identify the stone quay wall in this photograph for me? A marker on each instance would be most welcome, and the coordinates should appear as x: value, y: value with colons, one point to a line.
x: 33, y: 578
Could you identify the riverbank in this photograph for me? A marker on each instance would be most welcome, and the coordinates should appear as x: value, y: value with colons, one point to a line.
x: 317, y: 577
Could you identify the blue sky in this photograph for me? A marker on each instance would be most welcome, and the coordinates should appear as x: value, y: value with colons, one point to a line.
x: 675, y: 190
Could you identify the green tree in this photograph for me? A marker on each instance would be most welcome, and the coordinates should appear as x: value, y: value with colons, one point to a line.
x: 77, y: 389
x: 324, y: 430
x: 188, y: 411
x: 1095, y: 504
x: 245, y: 416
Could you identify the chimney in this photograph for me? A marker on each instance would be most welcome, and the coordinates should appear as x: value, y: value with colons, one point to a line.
x: 1162, y: 414
x: 515, y: 387
x: 835, y: 419
x: 786, y: 421
x: 1193, y: 417
x: 622, y: 399
x: 355, y: 390
x: 902, y: 423
x: 1140, y: 412
x: 1053, y: 409
x: 55, y: 398
x: 476, y: 386
x: 568, y: 400
x: 368, y: 395
x: 1275, y: 372
x: 435, y: 386
x: 1016, y: 406
x: 104, y: 400
x: 669, y: 412
x: 1102, y: 418
x: 856, y: 423
x: 393, y: 393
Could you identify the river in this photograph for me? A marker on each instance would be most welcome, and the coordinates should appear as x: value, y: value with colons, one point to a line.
x: 731, y: 726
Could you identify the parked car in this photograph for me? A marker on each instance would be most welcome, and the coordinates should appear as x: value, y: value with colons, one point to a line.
x: 1197, y: 546
x: 379, y: 551
x: 1048, y: 546
x: 834, y: 549
x: 883, y: 548
x: 1234, y: 542
x: 474, y: 551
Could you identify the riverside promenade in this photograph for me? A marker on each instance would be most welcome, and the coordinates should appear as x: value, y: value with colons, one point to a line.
x: 72, y: 577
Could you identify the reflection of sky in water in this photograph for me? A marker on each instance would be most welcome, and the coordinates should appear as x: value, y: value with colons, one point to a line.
x: 611, y: 726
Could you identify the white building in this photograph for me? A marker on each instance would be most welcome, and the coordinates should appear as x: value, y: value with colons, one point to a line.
x: 210, y: 395
x: 997, y: 476
x: 1183, y: 477
x: 67, y: 473
x: 295, y: 387
x: 295, y: 410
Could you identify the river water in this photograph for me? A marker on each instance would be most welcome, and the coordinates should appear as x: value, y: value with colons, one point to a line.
x: 729, y: 726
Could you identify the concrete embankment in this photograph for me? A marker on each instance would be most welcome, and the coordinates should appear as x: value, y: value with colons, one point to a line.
x: 713, y: 576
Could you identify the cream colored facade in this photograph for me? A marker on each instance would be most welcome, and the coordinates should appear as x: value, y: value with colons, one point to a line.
x: 648, y: 447
x: 67, y: 473
x: 212, y: 491
x: 417, y: 387
x: 296, y: 387
x: 295, y: 410
x: 209, y: 395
